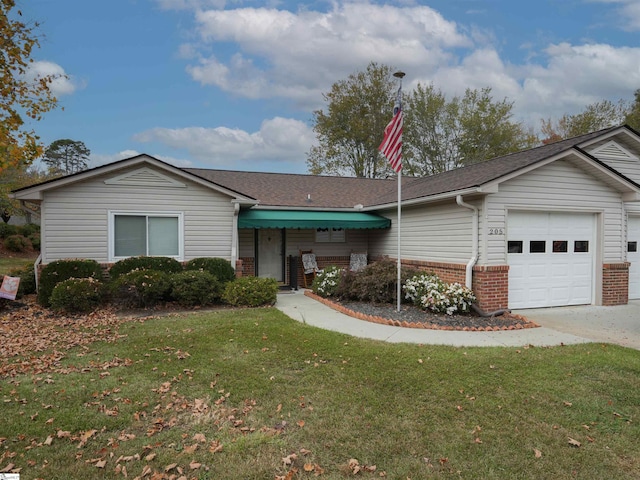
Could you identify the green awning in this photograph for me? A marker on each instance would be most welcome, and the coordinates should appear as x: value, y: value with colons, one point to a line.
x: 310, y: 219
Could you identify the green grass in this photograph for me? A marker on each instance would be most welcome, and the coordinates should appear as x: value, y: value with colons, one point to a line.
x: 9, y: 263
x: 264, y: 387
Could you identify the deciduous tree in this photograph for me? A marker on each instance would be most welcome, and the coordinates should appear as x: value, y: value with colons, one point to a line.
x: 20, y: 96
x: 443, y: 134
x: 633, y: 115
x: 594, y: 117
x: 351, y: 129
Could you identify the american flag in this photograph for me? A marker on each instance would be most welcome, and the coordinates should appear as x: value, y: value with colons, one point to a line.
x: 391, y: 146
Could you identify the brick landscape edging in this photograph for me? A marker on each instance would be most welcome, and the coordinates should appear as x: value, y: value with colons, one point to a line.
x: 405, y: 324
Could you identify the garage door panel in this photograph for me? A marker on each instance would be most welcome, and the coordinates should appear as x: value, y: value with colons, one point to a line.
x: 559, y: 276
x: 633, y: 256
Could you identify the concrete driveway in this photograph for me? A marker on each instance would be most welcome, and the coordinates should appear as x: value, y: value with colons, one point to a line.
x: 619, y: 324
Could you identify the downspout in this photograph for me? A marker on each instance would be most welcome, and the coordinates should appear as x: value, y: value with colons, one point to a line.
x: 35, y: 270
x: 475, y: 248
x: 234, y: 235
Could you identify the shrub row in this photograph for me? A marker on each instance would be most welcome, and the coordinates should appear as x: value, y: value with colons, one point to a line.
x: 78, y: 286
x: 377, y: 283
x: 27, y: 230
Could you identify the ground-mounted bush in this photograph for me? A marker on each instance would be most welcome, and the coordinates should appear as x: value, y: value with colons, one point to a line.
x: 195, y: 287
x: 160, y: 264
x: 34, y: 238
x: 141, y: 288
x: 77, y: 295
x: 17, y: 243
x: 430, y: 293
x: 29, y: 229
x: 7, y: 230
x: 221, y: 268
x: 251, y: 292
x: 27, y: 280
x: 61, y: 270
x: 376, y: 283
x: 328, y: 281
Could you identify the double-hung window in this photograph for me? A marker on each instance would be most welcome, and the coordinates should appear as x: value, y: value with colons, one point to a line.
x: 151, y: 234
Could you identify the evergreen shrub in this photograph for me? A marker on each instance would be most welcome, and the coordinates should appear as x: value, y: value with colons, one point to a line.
x: 195, y: 287
x: 160, y: 264
x: 77, y: 295
x: 61, y: 270
x: 251, y: 292
x: 221, y: 268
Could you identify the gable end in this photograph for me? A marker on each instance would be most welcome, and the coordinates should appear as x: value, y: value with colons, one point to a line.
x: 145, y: 177
x: 612, y: 150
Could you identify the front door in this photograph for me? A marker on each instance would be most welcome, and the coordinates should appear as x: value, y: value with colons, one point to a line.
x: 270, y: 254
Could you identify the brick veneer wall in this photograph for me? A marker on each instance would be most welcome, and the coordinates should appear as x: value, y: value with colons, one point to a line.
x: 491, y: 286
x: 615, y: 284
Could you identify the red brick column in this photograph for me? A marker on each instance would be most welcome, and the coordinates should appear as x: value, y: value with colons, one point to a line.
x: 248, y: 269
x: 239, y: 268
x: 615, y: 283
x: 491, y: 286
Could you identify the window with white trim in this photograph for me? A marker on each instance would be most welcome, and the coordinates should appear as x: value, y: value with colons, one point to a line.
x: 330, y: 235
x: 153, y: 234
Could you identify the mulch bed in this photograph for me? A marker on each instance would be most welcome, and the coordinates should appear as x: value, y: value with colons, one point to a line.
x: 410, y: 316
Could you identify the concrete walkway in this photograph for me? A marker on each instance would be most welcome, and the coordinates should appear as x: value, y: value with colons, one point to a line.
x: 304, y: 309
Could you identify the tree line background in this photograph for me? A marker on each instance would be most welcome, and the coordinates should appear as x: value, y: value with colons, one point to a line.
x: 440, y: 133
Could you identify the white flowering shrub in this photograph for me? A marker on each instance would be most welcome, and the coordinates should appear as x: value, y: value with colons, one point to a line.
x: 327, y: 282
x: 430, y: 293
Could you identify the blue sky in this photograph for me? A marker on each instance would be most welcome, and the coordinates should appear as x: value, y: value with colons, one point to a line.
x: 233, y: 84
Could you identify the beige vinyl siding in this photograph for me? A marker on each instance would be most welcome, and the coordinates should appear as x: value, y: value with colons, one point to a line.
x: 296, y: 240
x: 355, y: 241
x: 438, y: 233
x: 624, y: 161
x: 75, y: 218
x: 558, y: 186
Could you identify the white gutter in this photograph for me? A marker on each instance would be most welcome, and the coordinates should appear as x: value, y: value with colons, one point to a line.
x: 234, y: 235
x: 474, y: 254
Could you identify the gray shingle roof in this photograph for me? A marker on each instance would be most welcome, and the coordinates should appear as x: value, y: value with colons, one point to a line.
x: 291, y: 190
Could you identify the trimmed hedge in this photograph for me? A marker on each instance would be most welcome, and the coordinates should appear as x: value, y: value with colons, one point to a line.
x: 221, y: 268
x: 251, y: 292
x: 77, y: 295
x: 160, y: 264
x: 195, y: 287
x: 61, y: 270
x: 141, y: 288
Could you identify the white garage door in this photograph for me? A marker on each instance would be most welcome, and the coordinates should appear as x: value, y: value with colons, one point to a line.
x: 550, y: 257
x: 633, y: 256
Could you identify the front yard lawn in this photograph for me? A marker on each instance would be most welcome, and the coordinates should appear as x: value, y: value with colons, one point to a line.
x: 252, y: 394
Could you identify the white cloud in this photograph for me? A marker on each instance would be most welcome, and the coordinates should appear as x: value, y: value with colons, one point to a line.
x: 97, y: 160
x: 298, y: 55
x: 628, y: 11
x: 278, y: 140
x: 62, y: 84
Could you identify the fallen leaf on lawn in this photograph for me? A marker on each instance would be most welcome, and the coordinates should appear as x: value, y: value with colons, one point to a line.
x: 101, y: 463
x: 149, y: 457
x: 301, y: 423
x: 537, y: 453
x: 8, y: 468
x: 568, y: 404
x: 278, y: 408
x: 353, y: 465
x: 288, y: 460
x: 308, y: 467
x: 84, y: 438
x: 48, y: 440
x: 199, y: 437
x: 170, y: 467
x: 194, y: 465
x: 574, y: 443
x: 304, y: 451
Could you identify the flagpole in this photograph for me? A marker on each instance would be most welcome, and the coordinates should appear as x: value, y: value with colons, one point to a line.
x: 399, y: 75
